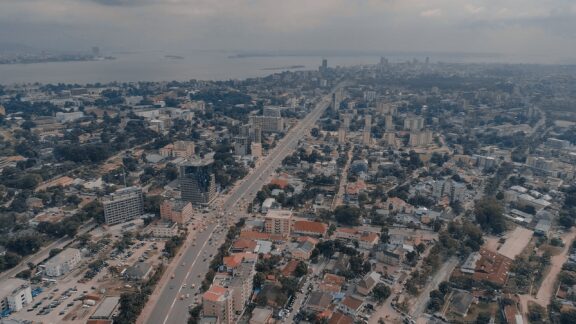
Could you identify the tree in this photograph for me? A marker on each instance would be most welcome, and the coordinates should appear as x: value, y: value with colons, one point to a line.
x: 348, y: 215
x: 568, y: 317
x: 420, y: 248
x: 483, y: 318
x: 381, y: 292
x: 258, y: 280
x: 489, y: 214
x: 54, y: 252
x: 301, y: 269
x: 536, y: 313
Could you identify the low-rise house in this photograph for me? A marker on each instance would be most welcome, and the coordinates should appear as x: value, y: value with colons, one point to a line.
x: 304, y: 249
x: 351, y: 306
x: 318, y: 302
x: 340, y: 318
x: 261, y: 315
x: 366, y: 240
x: 366, y: 284
x: 139, y: 271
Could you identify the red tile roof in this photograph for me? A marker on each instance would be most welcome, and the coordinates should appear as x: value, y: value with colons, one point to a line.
x: 339, y: 318
x: 215, y: 293
x: 352, y: 303
x: 310, y: 227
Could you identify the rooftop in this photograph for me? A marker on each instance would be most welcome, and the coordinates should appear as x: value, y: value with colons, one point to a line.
x: 10, y: 285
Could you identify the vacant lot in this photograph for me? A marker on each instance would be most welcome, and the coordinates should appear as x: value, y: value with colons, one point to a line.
x: 515, y: 243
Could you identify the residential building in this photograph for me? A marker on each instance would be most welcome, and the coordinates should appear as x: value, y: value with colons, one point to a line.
x: 421, y: 138
x: 278, y: 221
x: 123, y: 205
x: 261, y: 315
x: 197, y: 180
x: 318, y: 302
x: 63, y: 262
x: 351, y: 306
x: 217, y: 302
x: 15, y: 294
x: 367, y: 283
x: 178, y: 211
x: 414, y: 123
x: 304, y: 249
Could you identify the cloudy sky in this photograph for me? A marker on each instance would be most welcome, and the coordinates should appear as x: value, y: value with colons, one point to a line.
x: 532, y: 27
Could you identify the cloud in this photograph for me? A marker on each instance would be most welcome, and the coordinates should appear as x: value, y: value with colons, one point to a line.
x: 431, y: 13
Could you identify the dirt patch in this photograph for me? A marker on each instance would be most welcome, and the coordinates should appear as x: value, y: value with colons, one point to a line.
x: 516, y: 241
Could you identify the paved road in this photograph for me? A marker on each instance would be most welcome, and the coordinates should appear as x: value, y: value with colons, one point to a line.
x: 441, y: 275
x: 196, y: 258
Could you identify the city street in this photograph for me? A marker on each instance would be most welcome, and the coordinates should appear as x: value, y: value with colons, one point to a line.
x: 195, y: 260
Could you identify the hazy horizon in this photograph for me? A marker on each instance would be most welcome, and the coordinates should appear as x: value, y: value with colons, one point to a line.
x: 532, y: 28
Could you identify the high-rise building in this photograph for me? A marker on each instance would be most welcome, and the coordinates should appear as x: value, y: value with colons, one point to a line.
x: 366, y: 136
x: 347, y: 118
x: 324, y: 67
x: 123, y: 205
x: 337, y: 98
x: 95, y: 51
x: 272, y: 112
x: 278, y: 221
x: 385, y: 108
x: 268, y: 124
x: 389, y: 122
x: 15, y: 294
x: 241, y: 145
x: 390, y: 138
x: 421, y: 138
x: 341, y: 135
x: 256, y: 150
x: 197, y: 180
x: 177, y: 211
x: 414, y: 123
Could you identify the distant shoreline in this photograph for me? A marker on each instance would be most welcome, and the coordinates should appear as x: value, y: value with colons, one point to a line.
x: 16, y: 61
x: 290, y: 67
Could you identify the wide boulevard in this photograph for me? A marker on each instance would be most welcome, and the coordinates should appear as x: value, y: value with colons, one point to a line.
x: 170, y: 307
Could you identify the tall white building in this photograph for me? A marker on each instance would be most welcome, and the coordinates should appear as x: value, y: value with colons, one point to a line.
x: 123, y: 205
x: 14, y: 294
x: 63, y: 262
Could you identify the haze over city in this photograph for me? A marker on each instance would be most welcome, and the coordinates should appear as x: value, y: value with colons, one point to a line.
x: 534, y: 30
